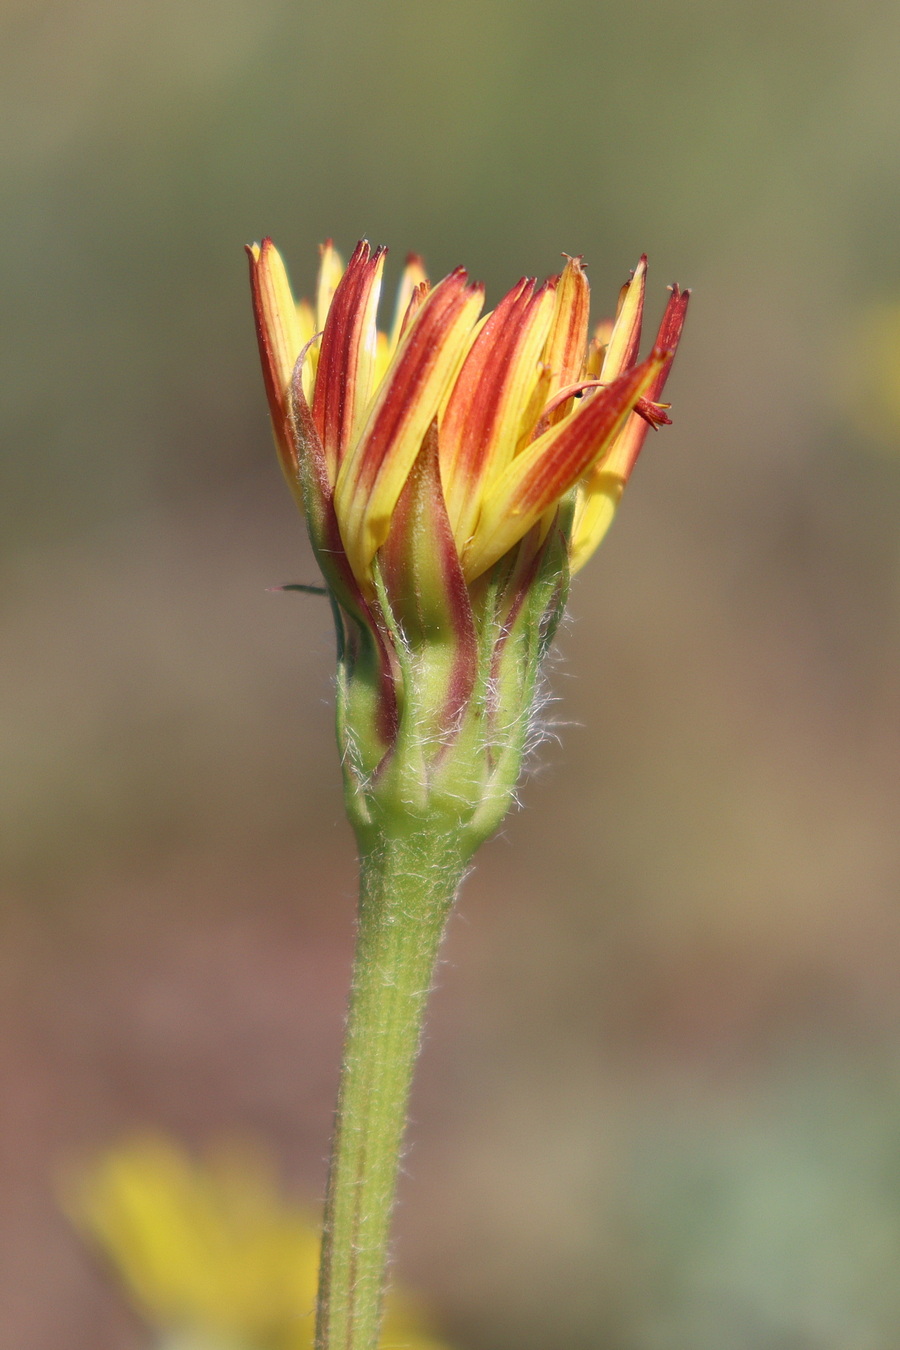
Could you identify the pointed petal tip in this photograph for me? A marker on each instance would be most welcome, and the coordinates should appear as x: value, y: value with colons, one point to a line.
x: 575, y: 267
x: 678, y: 297
x: 460, y: 277
x: 256, y: 251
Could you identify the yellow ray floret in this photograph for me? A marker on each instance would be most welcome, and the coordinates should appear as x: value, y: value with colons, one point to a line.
x: 372, y: 477
x: 526, y: 409
x: 553, y: 464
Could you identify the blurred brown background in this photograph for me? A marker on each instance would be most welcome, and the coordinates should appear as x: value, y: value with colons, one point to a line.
x: 659, y: 1105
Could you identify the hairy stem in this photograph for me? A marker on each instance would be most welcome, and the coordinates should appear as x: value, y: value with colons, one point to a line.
x: 407, y: 886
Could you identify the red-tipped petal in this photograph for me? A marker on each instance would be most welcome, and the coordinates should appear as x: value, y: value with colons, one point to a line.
x: 372, y: 476
x: 625, y: 339
x: 482, y: 424
x: 623, y: 456
x: 279, y: 336
x: 554, y: 463
x: 603, y: 486
x: 347, y: 353
x: 566, y: 346
x: 412, y: 290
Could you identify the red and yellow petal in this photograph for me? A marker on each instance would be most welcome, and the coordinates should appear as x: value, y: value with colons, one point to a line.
x: 625, y: 339
x: 566, y: 347
x: 514, y: 436
x: 331, y: 269
x: 347, y: 355
x: 412, y: 290
x: 538, y: 478
x: 601, y: 491
x: 280, y: 337
x: 482, y: 423
x: 372, y: 475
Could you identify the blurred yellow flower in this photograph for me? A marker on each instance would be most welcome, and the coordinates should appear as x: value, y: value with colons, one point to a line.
x: 868, y: 375
x: 211, y: 1253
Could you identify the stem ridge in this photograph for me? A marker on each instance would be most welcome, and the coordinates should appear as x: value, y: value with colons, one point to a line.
x: 407, y: 889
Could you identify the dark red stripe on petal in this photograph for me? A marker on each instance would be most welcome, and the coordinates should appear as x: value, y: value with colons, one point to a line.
x: 543, y: 473
x: 669, y: 336
x: 416, y: 301
x: 325, y: 537
x: 631, y: 441
x: 485, y: 357
x: 469, y: 422
x: 428, y: 592
x: 275, y: 392
x: 568, y: 457
x: 409, y: 373
x: 336, y: 392
x: 566, y: 347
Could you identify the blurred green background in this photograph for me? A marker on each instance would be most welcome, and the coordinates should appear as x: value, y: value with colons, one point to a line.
x: 659, y: 1105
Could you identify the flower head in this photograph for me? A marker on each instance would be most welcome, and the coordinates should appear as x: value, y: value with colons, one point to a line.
x: 453, y: 471
x: 527, y: 409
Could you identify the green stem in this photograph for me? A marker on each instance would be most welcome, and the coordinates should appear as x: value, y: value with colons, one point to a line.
x: 407, y: 886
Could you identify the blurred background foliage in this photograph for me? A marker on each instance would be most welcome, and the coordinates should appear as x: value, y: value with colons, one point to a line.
x: 658, y: 1107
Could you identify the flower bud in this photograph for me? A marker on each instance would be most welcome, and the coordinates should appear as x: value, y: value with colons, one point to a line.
x: 453, y: 473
